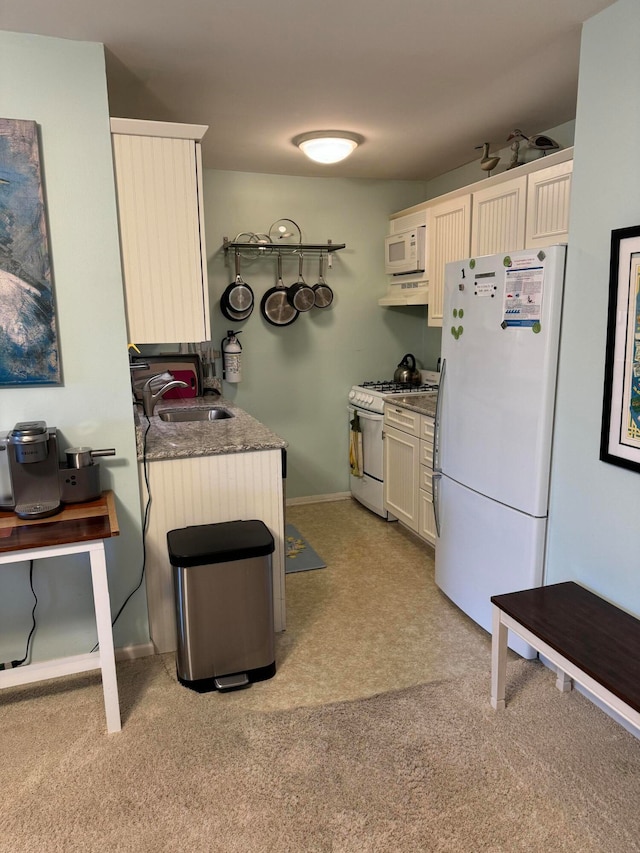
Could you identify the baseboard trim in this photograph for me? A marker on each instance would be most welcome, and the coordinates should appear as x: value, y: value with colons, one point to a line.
x: 141, y: 650
x: 318, y: 499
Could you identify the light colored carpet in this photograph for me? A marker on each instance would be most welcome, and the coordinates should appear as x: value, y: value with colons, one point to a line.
x: 428, y: 768
x: 312, y: 759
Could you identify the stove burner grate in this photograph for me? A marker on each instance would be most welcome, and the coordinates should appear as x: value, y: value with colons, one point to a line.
x: 391, y: 387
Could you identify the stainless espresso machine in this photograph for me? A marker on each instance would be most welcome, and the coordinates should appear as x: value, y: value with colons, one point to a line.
x: 34, y: 483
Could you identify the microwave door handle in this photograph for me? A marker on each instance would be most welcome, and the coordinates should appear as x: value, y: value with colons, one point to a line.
x: 437, y: 423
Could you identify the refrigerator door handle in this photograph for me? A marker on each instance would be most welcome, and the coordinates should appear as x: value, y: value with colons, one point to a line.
x: 435, y: 491
x: 436, y: 422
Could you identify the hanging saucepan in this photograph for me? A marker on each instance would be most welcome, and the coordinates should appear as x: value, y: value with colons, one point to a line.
x: 299, y: 294
x: 322, y: 292
x: 275, y: 307
x: 236, y: 303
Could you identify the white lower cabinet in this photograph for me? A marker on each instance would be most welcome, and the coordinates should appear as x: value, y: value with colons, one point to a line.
x: 401, y: 476
x: 408, y: 464
x: 207, y: 490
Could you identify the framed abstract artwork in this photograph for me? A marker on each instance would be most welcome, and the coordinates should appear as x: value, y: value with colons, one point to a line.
x: 620, y: 437
x: 28, y: 336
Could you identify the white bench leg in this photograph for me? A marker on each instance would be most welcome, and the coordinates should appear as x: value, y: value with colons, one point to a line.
x: 498, y: 660
x: 563, y: 682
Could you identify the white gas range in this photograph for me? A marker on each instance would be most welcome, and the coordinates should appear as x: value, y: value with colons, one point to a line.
x: 366, y: 408
x: 370, y: 395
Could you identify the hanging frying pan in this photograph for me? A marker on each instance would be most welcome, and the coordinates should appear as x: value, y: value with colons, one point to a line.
x: 236, y: 303
x: 275, y: 307
x: 322, y: 292
x: 236, y: 316
x: 299, y: 294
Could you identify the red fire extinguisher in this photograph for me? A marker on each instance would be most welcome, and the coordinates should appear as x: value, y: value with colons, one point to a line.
x: 231, y: 358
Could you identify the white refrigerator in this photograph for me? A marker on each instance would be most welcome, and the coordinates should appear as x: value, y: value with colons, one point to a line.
x: 494, y: 426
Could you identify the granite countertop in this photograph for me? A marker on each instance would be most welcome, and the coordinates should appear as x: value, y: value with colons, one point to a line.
x: 425, y: 403
x: 238, y: 434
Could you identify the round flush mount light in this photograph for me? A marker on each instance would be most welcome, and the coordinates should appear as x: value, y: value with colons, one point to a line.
x: 327, y: 146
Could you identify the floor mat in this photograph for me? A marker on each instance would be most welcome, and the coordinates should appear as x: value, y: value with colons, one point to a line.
x: 300, y: 555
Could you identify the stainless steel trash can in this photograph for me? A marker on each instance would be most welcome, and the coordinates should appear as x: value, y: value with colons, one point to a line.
x: 224, y: 604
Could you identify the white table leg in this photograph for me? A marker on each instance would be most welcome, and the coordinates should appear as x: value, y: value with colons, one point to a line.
x: 563, y: 682
x: 498, y: 660
x: 105, y: 636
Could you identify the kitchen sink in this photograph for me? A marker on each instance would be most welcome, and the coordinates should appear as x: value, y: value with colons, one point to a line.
x: 203, y: 413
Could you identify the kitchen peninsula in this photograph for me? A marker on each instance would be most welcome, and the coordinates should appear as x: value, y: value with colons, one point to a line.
x: 204, y: 472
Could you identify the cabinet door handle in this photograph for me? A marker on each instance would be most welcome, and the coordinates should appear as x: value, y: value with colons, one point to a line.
x: 435, y: 493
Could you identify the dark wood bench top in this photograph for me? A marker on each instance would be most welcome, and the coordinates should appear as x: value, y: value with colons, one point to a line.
x: 598, y: 637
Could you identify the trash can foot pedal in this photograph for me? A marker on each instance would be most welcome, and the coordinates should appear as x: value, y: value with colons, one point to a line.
x: 231, y: 682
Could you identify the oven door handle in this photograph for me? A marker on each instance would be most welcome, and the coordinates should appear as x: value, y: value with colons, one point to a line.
x: 367, y: 416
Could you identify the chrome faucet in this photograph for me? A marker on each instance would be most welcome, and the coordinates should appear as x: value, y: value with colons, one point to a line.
x: 150, y: 398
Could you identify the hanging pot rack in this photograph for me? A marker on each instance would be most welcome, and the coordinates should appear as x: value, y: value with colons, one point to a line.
x: 283, y: 238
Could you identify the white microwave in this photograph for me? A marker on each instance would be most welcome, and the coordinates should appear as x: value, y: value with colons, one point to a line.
x: 404, y: 252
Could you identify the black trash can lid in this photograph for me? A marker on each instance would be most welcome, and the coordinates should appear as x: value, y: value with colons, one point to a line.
x: 219, y: 543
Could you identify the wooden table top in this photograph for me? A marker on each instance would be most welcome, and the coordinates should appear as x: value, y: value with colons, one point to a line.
x: 79, y: 522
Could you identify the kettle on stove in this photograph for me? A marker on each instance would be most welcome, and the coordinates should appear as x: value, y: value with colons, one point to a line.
x: 406, y: 371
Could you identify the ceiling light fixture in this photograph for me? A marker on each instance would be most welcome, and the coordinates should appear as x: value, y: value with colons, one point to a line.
x: 327, y: 146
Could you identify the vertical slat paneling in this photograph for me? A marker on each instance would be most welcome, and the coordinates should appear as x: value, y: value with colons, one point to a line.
x: 158, y: 202
x: 548, y: 205
x: 551, y: 204
x: 207, y: 490
x: 499, y: 218
x: 448, y: 235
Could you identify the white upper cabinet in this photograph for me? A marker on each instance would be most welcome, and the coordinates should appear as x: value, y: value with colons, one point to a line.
x: 448, y: 229
x: 548, y: 199
x: 521, y: 209
x: 499, y: 217
x: 158, y: 171
x: 526, y: 212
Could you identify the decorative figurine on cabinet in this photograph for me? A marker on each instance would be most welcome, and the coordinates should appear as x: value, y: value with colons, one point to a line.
x: 488, y: 162
x: 515, y: 137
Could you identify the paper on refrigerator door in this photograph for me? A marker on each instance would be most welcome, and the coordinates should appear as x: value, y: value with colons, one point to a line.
x: 523, y: 297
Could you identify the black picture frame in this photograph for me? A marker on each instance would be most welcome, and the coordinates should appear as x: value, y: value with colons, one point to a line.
x: 620, y: 435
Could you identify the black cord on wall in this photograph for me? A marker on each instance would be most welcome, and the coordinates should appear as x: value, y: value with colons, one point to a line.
x: 145, y: 524
x: 12, y: 664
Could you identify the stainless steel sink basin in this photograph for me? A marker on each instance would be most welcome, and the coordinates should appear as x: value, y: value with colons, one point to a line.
x: 202, y: 413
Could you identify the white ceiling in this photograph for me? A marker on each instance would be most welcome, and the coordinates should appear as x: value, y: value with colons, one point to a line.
x: 424, y: 81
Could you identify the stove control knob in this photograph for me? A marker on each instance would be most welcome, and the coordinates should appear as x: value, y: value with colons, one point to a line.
x: 352, y: 394
x: 369, y: 398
